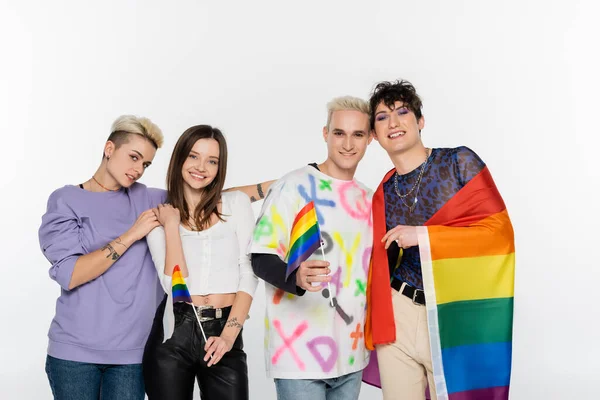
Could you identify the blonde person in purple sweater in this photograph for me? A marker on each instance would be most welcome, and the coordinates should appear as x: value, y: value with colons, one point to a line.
x: 93, y: 234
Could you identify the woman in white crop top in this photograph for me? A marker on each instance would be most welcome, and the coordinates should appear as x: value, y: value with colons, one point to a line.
x: 206, y: 233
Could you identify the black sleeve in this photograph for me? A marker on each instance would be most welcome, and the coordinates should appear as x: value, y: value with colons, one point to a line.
x: 271, y: 269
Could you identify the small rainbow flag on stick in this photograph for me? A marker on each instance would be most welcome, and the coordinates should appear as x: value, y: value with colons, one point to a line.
x: 305, y: 238
x: 179, y: 289
x: 180, y: 293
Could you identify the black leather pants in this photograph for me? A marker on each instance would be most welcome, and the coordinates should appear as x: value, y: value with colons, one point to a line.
x: 171, y: 367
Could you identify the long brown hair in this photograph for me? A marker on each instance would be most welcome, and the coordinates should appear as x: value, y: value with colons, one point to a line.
x: 211, y: 195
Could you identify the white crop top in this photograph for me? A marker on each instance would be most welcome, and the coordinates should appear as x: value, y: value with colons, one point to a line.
x: 216, y: 258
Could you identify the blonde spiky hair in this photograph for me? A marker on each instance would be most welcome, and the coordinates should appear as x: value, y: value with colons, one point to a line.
x: 346, y: 103
x: 130, y: 124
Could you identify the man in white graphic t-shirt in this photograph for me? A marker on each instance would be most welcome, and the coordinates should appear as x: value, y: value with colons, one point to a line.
x: 315, y: 316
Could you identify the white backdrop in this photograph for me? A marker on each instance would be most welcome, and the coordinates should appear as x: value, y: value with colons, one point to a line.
x: 517, y: 81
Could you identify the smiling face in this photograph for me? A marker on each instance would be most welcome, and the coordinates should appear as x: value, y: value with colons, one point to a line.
x: 347, y: 138
x: 202, y: 164
x: 197, y: 173
x: 127, y: 163
x: 397, y: 128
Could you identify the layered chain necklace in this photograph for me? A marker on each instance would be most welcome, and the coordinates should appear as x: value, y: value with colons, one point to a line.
x: 415, y: 188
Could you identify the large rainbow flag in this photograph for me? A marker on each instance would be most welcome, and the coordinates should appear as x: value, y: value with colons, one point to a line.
x: 468, y: 264
x: 305, y: 237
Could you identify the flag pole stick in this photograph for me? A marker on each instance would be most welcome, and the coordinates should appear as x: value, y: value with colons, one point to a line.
x: 188, y: 297
x: 322, y: 243
x: 328, y: 284
x: 199, y: 323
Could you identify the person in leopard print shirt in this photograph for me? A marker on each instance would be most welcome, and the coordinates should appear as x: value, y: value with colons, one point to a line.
x: 424, y: 180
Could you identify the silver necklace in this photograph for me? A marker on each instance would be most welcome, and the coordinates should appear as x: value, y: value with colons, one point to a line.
x: 415, y: 188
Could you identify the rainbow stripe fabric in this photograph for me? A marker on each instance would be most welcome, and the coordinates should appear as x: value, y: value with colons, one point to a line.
x: 468, y: 264
x: 179, y: 290
x: 305, y: 237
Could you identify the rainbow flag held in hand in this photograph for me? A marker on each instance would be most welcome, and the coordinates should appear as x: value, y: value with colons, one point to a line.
x: 305, y: 237
x: 179, y: 293
x: 179, y: 290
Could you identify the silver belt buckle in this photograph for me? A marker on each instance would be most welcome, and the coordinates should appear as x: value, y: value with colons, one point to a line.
x: 218, y: 313
x: 199, y: 313
x: 414, y: 297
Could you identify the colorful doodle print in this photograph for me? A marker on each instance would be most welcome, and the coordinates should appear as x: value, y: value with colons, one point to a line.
x: 308, y: 337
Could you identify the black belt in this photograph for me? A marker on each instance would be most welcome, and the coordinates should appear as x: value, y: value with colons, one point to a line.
x: 205, y: 313
x: 417, y: 295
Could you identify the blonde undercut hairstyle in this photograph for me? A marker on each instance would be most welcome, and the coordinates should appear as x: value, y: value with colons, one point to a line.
x: 346, y: 103
x: 127, y: 125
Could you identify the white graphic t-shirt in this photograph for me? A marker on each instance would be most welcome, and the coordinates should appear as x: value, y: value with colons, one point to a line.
x: 307, y: 338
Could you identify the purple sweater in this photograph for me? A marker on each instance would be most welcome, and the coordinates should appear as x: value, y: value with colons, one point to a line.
x: 107, y: 320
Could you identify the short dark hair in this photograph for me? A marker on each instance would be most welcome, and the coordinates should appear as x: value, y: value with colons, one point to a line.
x: 391, y: 92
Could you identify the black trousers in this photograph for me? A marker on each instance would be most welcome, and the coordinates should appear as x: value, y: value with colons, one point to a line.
x: 170, y: 368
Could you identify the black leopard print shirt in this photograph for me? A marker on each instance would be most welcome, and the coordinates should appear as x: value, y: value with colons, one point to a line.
x: 446, y: 172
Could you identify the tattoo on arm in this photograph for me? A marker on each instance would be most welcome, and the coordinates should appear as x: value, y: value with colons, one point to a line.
x: 260, y: 191
x: 118, y: 241
x: 252, y: 199
x: 233, y: 323
x: 112, y: 254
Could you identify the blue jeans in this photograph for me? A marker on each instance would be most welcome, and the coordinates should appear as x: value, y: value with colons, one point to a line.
x: 345, y: 387
x: 72, y: 380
